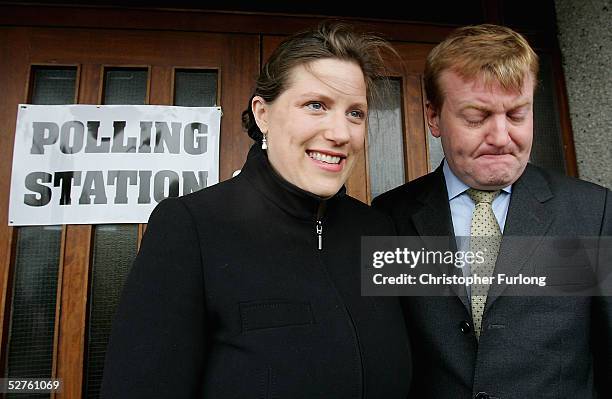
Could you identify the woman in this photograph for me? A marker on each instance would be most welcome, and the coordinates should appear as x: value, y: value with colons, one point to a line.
x: 251, y: 288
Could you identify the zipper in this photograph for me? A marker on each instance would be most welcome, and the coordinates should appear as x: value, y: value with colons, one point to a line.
x: 360, y: 364
x: 319, y: 229
x: 319, y: 224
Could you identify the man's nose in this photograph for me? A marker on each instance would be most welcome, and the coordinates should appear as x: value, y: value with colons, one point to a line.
x: 498, y: 133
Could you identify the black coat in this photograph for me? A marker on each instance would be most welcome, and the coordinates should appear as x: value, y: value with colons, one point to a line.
x: 230, y: 297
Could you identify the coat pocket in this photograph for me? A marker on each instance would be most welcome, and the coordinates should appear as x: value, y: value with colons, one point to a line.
x: 274, y: 314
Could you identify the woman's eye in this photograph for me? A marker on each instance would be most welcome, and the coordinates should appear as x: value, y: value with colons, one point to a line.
x: 357, y: 114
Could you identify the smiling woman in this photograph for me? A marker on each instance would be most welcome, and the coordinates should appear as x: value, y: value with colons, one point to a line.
x: 316, y: 128
x: 251, y: 287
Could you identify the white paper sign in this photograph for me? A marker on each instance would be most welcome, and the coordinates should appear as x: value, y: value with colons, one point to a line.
x: 92, y: 164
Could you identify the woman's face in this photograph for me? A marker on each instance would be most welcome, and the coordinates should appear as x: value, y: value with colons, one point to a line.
x: 316, y: 128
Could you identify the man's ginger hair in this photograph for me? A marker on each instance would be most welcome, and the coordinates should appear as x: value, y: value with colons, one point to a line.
x: 495, y: 53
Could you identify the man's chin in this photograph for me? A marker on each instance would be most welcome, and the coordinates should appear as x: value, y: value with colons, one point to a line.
x: 496, y: 176
x: 495, y: 181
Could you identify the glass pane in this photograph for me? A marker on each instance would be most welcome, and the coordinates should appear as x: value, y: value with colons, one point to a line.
x: 32, y: 320
x: 53, y: 86
x: 125, y: 86
x: 115, y: 245
x: 114, y: 252
x: 195, y: 88
x: 547, y: 150
x: 386, y: 140
x: 30, y: 347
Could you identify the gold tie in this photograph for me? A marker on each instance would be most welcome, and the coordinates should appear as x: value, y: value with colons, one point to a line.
x: 486, y: 237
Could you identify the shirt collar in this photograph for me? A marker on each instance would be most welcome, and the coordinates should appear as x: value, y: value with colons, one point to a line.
x: 456, y: 187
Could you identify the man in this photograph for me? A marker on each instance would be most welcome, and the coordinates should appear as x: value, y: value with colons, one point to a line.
x: 480, y: 83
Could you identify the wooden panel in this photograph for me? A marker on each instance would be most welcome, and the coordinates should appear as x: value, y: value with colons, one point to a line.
x: 7, y: 287
x: 58, y: 310
x: 75, y: 271
x: 236, y: 22
x: 412, y: 58
x: 142, y: 227
x: 427, y: 133
x: 414, y: 126
x: 90, y: 84
x: 161, y: 92
x: 567, y: 135
x: 269, y: 43
x: 357, y: 183
x: 239, y: 69
x: 13, y: 84
x: 203, y: 21
x: 126, y: 48
x: 73, y: 311
x: 161, y: 84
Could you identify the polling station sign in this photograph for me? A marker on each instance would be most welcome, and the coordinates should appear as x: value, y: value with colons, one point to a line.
x: 92, y: 164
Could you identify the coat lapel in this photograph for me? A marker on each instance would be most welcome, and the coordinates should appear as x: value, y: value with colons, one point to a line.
x: 528, y: 216
x: 433, y: 219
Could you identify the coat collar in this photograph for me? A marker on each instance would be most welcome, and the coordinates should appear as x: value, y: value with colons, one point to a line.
x: 290, y: 198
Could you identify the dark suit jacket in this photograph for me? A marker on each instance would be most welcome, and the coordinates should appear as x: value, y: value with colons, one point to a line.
x: 530, y: 347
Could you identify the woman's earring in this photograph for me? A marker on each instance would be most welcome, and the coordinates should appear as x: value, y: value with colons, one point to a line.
x: 264, y: 142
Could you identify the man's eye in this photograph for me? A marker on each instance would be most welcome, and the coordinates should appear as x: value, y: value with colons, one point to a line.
x: 475, y: 118
x: 315, y: 106
x: 517, y: 117
x: 474, y: 122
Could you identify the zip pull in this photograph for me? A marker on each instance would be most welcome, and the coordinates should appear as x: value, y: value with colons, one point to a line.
x: 319, y: 225
x: 319, y: 229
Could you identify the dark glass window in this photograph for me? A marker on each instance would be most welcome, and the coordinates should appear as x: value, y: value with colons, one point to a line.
x: 195, y: 88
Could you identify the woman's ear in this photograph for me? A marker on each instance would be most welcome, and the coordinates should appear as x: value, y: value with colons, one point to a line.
x: 261, y: 113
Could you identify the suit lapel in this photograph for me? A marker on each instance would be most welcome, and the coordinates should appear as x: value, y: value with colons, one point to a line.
x: 433, y: 219
x: 528, y: 216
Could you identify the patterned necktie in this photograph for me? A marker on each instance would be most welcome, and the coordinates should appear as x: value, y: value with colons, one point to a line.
x: 486, y: 237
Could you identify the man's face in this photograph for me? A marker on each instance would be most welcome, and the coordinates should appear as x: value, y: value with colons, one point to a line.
x: 486, y: 130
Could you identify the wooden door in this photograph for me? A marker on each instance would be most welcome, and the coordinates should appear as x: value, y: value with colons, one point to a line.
x: 81, y: 267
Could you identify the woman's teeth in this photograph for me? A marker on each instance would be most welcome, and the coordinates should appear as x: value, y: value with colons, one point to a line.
x: 324, y: 158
